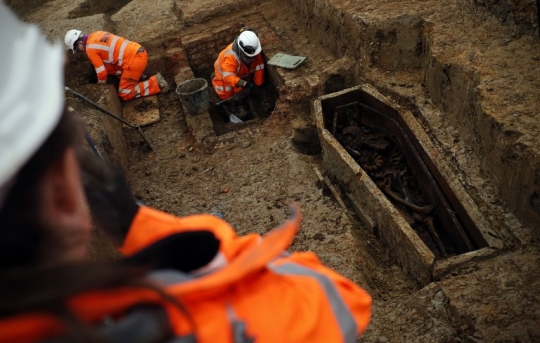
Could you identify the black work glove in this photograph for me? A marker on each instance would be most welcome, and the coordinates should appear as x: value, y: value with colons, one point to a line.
x: 245, y: 84
x: 109, y: 197
x: 92, y: 75
x: 241, y: 83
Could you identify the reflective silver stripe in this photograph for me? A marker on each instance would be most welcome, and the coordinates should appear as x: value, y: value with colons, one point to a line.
x: 111, y: 49
x: 124, y: 91
x: 228, y: 52
x: 97, y: 47
x: 344, y: 317
x: 146, y: 85
x: 217, y: 66
x: 121, y: 52
x: 118, y: 72
x: 239, y: 329
x: 169, y: 276
x: 221, y: 89
x: 236, y: 57
x: 259, y: 67
x: 227, y: 73
x: 100, y: 69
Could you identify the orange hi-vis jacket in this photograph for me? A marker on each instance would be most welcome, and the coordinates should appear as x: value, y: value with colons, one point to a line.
x: 109, y: 53
x: 115, y: 55
x: 229, y: 69
x: 256, y: 293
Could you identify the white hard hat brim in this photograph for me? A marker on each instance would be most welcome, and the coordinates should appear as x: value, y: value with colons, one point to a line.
x: 31, y: 92
x: 71, y: 38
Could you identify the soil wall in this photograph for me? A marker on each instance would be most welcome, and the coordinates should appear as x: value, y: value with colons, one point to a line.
x: 392, y: 44
x: 504, y: 159
x: 23, y: 7
x: 404, y: 42
x: 521, y: 14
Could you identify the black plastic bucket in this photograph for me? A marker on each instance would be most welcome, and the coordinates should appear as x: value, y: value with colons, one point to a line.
x: 194, y: 95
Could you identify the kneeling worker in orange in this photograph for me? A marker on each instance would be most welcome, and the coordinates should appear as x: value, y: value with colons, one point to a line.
x: 239, y: 70
x: 115, y: 55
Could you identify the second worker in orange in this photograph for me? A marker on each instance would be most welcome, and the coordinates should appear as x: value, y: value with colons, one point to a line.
x: 114, y: 55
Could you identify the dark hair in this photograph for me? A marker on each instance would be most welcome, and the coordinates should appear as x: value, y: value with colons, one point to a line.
x: 27, y: 284
x: 21, y: 231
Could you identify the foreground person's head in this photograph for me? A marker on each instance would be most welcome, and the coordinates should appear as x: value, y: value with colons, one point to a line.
x: 44, y: 218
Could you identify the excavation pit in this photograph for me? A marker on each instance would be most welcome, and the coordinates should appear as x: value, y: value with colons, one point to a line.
x: 201, y: 51
x: 385, y: 165
x: 259, y: 105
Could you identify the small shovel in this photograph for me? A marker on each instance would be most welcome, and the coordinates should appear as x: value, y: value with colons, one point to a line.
x: 133, y: 126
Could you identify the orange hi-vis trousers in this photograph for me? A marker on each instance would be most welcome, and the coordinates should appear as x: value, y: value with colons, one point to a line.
x: 130, y: 87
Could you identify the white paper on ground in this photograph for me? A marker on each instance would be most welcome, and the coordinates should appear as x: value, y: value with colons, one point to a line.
x: 235, y: 119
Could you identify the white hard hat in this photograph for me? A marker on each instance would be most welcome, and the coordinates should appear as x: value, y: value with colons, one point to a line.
x: 249, y: 43
x: 31, y: 92
x: 71, y: 37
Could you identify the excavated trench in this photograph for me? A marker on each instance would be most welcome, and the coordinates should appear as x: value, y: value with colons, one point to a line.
x: 384, y: 162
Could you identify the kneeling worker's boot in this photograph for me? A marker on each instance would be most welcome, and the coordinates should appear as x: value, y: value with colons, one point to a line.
x: 163, y: 85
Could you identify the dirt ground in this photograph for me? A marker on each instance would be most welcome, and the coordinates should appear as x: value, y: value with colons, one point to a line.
x: 468, y: 70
